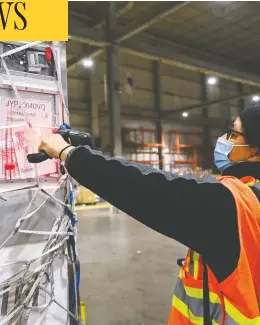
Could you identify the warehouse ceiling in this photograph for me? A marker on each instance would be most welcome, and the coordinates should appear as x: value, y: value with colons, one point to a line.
x: 213, y: 36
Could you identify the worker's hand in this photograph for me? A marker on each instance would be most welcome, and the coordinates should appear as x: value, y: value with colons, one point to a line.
x: 54, y: 145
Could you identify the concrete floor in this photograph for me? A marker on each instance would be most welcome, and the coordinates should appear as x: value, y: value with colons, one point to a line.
x: 128, y: 271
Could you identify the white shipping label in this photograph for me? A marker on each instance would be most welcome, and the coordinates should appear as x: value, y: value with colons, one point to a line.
x: 38, y: 112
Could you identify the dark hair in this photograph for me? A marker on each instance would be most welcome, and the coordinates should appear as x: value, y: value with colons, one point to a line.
x: 250, y: 118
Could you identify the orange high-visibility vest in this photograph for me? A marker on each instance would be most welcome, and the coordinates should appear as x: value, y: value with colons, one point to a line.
x: 236, y: 300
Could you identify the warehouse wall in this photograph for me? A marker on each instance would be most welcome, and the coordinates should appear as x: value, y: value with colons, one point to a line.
x: 78, y: 90
x: 180, y: 88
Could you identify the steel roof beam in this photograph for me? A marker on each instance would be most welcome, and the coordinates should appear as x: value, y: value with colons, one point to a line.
x: 141, y: 24
x: 131, y: 112
x: 207, y: 103
x: 87, y: 35
x: 176, y: 57
x: 160, y: 51
x: 98, y: 38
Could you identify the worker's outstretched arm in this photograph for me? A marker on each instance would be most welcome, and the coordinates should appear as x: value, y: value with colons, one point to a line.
x: 195, y: 213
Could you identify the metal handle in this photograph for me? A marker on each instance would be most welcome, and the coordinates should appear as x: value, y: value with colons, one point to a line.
x: 39, y: 157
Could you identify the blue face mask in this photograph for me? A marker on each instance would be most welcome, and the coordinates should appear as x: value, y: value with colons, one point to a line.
x: 221, y: 152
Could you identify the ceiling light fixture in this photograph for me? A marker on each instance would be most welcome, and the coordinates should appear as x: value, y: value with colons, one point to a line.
x: 256, y: 98
x: 88, y: 63
x: 212, y: 80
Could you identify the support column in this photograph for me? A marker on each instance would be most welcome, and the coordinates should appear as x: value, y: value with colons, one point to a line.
x: 241, y: 104
x: 229, y: 117
x: 226, y: 107
x: 112, y: 67
x: 158, y: 107
x: 207, y: 162
x: 95, y: 101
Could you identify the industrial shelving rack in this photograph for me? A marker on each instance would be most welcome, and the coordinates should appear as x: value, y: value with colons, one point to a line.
x: 139, y: 145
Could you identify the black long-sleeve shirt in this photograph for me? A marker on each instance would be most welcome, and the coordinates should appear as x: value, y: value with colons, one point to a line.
x: 200, y: 214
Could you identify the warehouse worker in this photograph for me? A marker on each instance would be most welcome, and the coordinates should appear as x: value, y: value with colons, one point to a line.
x: 218, y: 220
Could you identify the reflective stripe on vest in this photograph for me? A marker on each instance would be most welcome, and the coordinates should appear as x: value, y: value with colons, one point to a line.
x: 193, y: 264
x: 187, y: 303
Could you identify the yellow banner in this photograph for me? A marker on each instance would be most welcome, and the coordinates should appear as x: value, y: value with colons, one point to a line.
x: 34, y: 20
